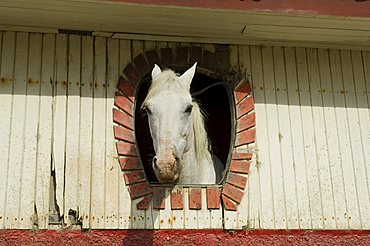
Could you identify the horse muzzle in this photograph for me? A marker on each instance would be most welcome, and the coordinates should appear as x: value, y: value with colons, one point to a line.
x: 166, y: 169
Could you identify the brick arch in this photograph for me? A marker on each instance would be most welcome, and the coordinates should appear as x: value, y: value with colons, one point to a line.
x: 135, y: 179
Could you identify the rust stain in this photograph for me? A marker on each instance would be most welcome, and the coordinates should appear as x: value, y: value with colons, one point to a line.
x: 161, y: 221
x: 169, y: 220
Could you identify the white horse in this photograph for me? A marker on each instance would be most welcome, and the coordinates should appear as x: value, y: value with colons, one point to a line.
x: 177, y: 128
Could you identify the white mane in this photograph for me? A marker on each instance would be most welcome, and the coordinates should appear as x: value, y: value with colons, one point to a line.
x: 168, y: 79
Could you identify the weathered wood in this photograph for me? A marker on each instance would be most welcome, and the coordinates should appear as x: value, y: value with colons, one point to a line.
x: 17, y: 143
x: 44, y: 131
x: 86, y: 126
x: 335, y: 172
x: 60, y: 111
x: 112, y: 168
x: 297, y: 138
x: 98, y: 138
x: 286, y: 148
x: 7, y: 71
x: 27, y: 213
x: 124, y: 197
x: 314, y: 196
x: 355, y: 133
x: 73, y: 127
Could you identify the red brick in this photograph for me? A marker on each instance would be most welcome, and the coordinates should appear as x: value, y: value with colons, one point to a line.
x: 123, y: 133
x: 123, y: 119
x: 152, y: 57
x: 139, y: 190
x: 237, y: 180
x: 242, y: 156
x: 182, y: 54
x: 246, y: 137
x: 166, y: 57
x: 144, y: 203
x: 195, y: 198
x: 159, y: 198
x: 126, y: 88
x: 131, y: 74
x: 213, y: 197
x: 124, y: 104
x: 241, y: 91
x: 233, y: 193
x: 126, y: 149
x: 134, y: 177
x: 228, y: 204
x: 177, y: 199
x: 245, y: 122
x: 130, y: 163
x: 239, y: 166
x: 209, y: 60
x: 141, y: 65
x: 245, y: 106
x: 196, y: 55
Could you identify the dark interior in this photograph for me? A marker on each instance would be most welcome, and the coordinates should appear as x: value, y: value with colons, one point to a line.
x: 215, y: 104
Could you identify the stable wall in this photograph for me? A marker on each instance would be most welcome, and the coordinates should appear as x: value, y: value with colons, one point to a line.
x: 310, y: 166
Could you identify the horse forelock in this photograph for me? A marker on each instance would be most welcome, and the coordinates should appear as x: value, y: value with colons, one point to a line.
x: 166, y: 80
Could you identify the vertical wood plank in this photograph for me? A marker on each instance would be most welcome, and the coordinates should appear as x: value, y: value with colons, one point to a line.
x: 165, y: 214
x: 98, y: 147
x: 73, y: 127
x: 354, y: 138
x: 337, y: 219
x: 230, y: 217
x: 321, y: 150
x: 27, y: 213
x: 285, y: 142
x: 366, y: 133
x: 138, y: 216
x: 191, y: 217
x: 86, y: 126
x: 124, y: 197
x: 112, y: 167
x: 44, y: 131
x: 362, y: 105
x: 343, y: 138
x: 178, y: 216
x: 151, y: 215
x: 296, y: 124
x: 60, y: 110
x: 273, y: 139
x: 251, y: 199
x: 7, y: 50
x: 204, y: 215
x: 16, y: 150
x: 245, y: 67
x: 267, y: 218
x: 309, y: 140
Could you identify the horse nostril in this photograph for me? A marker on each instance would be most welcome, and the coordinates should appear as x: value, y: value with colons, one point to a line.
x: 155, y: 161
x: 177, y: 160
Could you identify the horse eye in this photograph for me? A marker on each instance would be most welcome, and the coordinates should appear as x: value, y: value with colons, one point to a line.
x: 189, y: 109
x: 146, y: 110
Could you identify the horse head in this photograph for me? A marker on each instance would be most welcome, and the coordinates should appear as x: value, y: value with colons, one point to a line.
x: 169, y: 107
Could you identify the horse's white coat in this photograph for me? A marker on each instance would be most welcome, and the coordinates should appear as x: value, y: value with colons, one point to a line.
x: 178, y: 133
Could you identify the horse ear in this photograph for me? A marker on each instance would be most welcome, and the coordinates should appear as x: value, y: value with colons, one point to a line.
x: 187, y: 77
x: 156, y: 71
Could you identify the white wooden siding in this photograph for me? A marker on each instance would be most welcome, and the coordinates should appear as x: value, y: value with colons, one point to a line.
x: 311, y: 164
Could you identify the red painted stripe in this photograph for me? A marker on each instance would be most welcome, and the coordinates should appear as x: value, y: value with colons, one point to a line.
x: 356, y: 8
x: 185, y: 237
